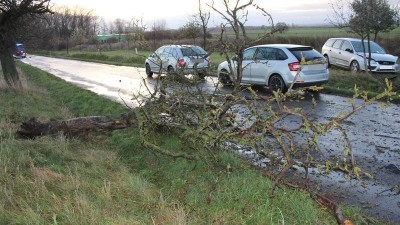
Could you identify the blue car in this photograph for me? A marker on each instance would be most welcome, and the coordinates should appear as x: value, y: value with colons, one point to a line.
x: 19, y: 51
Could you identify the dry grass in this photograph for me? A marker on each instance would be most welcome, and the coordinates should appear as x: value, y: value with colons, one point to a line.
x: 18, y: 87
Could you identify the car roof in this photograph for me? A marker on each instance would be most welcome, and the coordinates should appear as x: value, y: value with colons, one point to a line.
x: 283, y: 46
x: 179, y: 46
x: 349, y: 39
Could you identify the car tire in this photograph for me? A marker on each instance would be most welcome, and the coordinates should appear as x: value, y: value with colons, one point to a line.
x: 276, y: 83
x: 354, y: 66
x: 327, y: 60
x: 201, y: 75
x: 148, y: 70
x: 224, y: 78
x: 170, y: 70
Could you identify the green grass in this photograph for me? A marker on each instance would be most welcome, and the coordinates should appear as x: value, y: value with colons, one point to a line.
x: 312, y: 32
x: 110, y: 178
x: 343, y: 82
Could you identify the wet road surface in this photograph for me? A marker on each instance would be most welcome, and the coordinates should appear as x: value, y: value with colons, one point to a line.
x: 374, y: 131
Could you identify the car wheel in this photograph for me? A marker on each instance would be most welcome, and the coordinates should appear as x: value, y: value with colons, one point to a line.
x: 276, y: 83
x: 354, y: 66
x: 201, y: 75
x: 170, y: 70
x: 224, y: 78
x: 327, y: 60
x: 148, y: 71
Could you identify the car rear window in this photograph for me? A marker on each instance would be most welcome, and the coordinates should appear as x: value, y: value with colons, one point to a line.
x: 337, y: 44
x: 307, y: 52
x: 330, y: 42
x: 193, y: 51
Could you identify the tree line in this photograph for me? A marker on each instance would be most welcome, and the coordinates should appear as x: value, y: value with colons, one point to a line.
x: 67, y: 27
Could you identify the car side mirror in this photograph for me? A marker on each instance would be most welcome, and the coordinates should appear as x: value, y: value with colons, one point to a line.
x: 234, y: 58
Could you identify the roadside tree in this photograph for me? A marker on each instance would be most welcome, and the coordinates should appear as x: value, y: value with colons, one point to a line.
x: 135, y: 31
x: 158, y: 30
x: 11, y: 13
x: 191, y: 30
x: 235, y: 15
x: 281, y: 27
x: 76, y: 24
x: 204, y: 18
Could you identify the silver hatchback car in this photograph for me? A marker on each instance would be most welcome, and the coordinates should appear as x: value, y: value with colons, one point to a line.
x: 348, y: 53
x: 276, y: 66
x: 178, y: 58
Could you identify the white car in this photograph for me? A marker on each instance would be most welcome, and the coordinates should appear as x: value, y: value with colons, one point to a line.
x: 348, y: 53
x: 178, y: 58
x: 276, y: 66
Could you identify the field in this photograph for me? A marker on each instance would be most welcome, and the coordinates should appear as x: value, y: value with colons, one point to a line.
x: 312, y: 36
x: 317, y: 36
x: 315, y: 32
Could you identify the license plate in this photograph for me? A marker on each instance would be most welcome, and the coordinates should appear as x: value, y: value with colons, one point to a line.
x: 386, y: 67
x: 201, y: 60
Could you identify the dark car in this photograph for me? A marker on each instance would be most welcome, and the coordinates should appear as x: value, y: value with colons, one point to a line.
x: 19, y: 51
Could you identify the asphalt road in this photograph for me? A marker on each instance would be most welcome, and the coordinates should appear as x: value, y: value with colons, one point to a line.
x: 374, y: 131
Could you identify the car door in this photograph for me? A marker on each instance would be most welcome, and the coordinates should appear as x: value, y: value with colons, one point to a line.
x: 155, y: 60
x: 248, y: 60
x: 334, y: 52
x: 165, y: 58
x: 267, y: 60
x: 260, y: 65
x: 345, y: 54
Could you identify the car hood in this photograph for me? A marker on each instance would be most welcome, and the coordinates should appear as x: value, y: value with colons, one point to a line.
x: 381, y: 57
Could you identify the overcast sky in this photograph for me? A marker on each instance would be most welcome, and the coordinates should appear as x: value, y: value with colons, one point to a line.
x: 176, y: 12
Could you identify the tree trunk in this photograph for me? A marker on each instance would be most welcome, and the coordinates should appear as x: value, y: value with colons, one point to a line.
x: 375, y: 35
x: 204, y: 37
x: 369, y: 53
x: 77, y: 127
x: 9, y: 68
x: 67, y: 46
x: 364, y: 54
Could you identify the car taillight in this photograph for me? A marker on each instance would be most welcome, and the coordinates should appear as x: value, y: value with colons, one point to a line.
x: 181, y: 63
x: 294, y: 66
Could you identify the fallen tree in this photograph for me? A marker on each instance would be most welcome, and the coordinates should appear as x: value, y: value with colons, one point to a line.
x: 76, y: 127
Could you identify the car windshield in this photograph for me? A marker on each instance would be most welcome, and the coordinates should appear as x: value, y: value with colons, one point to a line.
x: 193, y: 51
x: 307, y: 52
x: 375, y: 48
x: 19, y: 47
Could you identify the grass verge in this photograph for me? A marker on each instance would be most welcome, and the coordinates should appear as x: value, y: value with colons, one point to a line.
x: 118, y: 57
x: 343, y: 82
x: 111, y: 179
